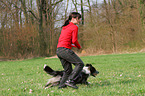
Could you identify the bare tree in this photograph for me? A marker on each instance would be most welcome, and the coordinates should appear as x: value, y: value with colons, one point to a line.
x: 82, y: 11
x: 24, y: 8
x: 75, y: 4
x: 41, y: 33
x: 46, y: 10
x: 44, y: 19
x: 112, y: 34
x: 66, y: 9
x: 90, y: 10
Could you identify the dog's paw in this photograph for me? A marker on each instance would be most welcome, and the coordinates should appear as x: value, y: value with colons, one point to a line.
x: 44, y: 66
x: 46, y: 87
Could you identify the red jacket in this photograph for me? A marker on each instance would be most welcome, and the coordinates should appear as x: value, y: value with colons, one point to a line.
x: 69, y: 37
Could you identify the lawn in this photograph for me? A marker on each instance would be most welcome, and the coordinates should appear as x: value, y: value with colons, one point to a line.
x: 120, y: 75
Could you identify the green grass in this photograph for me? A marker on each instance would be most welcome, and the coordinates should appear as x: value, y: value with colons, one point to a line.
x: 120, y: 75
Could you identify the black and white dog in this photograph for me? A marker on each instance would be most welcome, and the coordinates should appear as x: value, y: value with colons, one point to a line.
x: 87, y: 71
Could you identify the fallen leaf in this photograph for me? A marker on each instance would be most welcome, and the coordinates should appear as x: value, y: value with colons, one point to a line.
x: 73, y: 91
x: 30, y: 91
x: 121, y: 74
x: 139, y: 75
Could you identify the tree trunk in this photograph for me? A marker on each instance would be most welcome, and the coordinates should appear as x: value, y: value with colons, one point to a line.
x: 23, y: 3
x: 41, y: 33
x: 82, y: 12
x: 31, y: 7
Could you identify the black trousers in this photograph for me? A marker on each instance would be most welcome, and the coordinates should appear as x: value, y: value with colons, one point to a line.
x: 67, y: 58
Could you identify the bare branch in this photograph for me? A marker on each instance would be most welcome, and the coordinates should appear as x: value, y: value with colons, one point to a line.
x: 57, y: 2
x: 33, y: 14
x: 75, y: 4
x: 66, y: 8
x: 6, y: 4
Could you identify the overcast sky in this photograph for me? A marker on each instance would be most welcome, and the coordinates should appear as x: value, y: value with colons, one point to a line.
x: 71, y: 6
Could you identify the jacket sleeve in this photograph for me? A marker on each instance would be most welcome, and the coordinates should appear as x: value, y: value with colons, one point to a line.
x: 75, y: 38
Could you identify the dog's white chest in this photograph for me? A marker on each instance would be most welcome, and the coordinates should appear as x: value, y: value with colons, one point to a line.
x: 86, y: 70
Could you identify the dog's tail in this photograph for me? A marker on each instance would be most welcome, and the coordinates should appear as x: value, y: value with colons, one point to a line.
x: 50, y: 71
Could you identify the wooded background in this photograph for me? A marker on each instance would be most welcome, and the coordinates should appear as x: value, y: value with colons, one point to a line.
x: 31, y: 28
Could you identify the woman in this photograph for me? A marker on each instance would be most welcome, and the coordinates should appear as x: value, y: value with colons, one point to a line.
x: 68, y: 39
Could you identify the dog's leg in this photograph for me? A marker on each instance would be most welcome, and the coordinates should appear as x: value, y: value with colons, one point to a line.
x: 51, y: 85
x: 52, y: 81
x: 49, y: 81
x: 55, y: 84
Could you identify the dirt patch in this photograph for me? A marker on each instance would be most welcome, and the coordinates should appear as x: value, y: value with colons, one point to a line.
x: 142, y: 50
x: 3, y: 58
x: 51, y: 57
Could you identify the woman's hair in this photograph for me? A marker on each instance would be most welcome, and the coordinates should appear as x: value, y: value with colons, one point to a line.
x: 72, y: 15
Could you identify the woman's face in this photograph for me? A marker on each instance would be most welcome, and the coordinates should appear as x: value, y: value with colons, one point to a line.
x: 76, y: 20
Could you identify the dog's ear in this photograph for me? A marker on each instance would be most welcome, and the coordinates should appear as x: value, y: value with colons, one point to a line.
x: 88, y: 64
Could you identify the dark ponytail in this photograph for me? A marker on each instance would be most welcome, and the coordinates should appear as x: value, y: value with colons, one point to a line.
x: 72, y: 15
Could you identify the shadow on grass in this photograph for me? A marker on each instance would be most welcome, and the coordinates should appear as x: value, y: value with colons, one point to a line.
x: 109, y: 83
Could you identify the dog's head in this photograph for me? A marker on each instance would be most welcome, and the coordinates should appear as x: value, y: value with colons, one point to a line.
x: 89, y: 69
